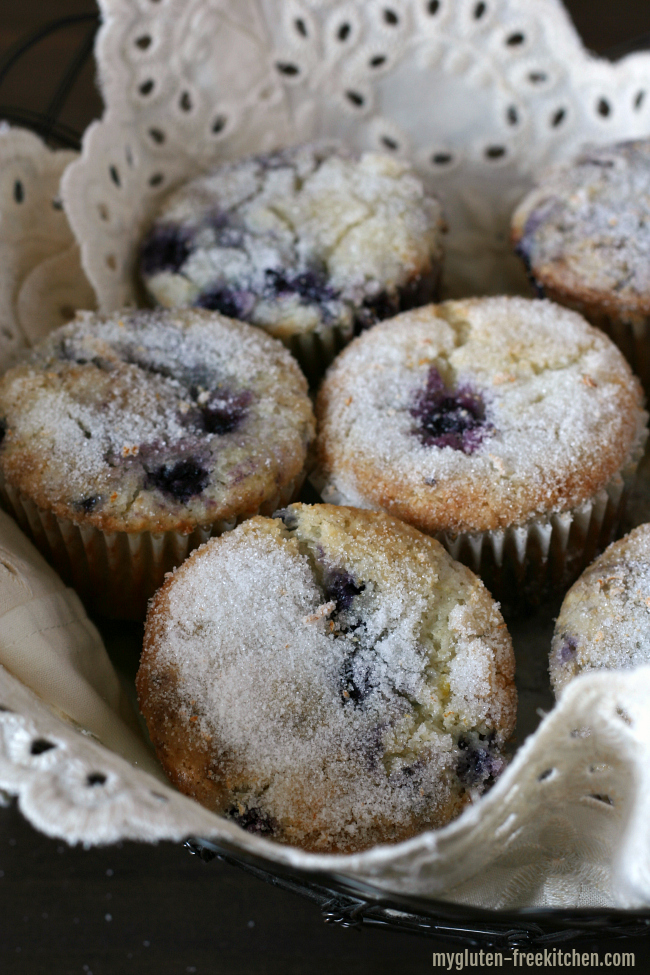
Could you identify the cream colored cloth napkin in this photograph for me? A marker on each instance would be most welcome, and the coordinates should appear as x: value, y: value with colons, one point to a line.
x: 48, y: 643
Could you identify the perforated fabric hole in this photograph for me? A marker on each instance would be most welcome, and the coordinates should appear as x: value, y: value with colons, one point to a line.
x: 389, y: 143
x: 41, y: 745
x: 185, y: 102
x: 156, y: 179
x: 96, y: 778
x: 601, y: 798
x: 143, y: 42
x: 146, y: 87
x: 288, y: 69
x: 432, y: 7
x: 639, y: 99
x: 355, y: 98
x: 219, y: 124
x: 479, y: 11
x: 391, y: 17
x: 115, y: 176
x: 343, y: 32
x: 547, y: 774
x: 300, y: 27
x: 19, y: 191
x: 557, y: 117
x: 604, y: 107
x: 442, y: 158
x: 157, y: 135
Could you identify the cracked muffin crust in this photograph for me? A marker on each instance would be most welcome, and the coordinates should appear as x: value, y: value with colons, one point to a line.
x: 328, y: 678
x: 154, y: 421
x: 604, y: 622
x: 476, y: 415
x: 126, y: 440
x: 508, y: 428
x: 583, y: 236
x: 309, y: 241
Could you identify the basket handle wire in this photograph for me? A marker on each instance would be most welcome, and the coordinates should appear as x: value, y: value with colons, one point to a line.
x: 47, y: 123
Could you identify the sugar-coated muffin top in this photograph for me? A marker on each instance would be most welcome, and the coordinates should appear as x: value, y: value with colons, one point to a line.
x: 154, y: 420
x: 604, y: 622
x: 477, y: 414
x: 585, y: 230
x: 329, y: 678
x: 295, y: 240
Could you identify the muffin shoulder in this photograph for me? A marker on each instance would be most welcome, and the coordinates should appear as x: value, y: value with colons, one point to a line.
x: 604, y: 622
x: 477, y: 414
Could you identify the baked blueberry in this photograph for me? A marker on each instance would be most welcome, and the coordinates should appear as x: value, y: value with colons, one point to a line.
x: 584, y: 236
x: 147, y: 422
x: 490, y: 423
x: 329, y: 677
x: 449, y: 418
x: 307, y: 243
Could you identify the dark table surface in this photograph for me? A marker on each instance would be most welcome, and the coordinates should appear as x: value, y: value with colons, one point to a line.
x: 134, y: 909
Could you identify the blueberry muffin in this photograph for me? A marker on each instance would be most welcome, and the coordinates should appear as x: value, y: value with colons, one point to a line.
x: 604, y: 623
x: 329, y: 678
x: 507, y: 427
x: 128, y: 439
x: 584, y: 234
x: 308, y: 243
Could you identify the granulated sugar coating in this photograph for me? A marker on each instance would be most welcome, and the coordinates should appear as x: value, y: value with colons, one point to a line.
x: 298, y: 240
x: 585, y: 231
x: 329, y: 678
x: 154, y: 421
x: 478, y: 414
x: 604, y: 622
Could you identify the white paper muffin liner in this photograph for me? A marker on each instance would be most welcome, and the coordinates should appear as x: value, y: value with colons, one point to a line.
x: 116, y: 573
x: 522, y: 564
x: 317, y: 349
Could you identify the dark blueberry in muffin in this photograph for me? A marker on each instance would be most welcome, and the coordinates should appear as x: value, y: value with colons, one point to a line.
x: 449, y: 418
x: 477, y: 764
x: 311, y: 286
x: 182, y: 480
x: 224, y: 412
x: 341, y: 587
x: 232, y: 302
x: 376, y: 309
x: 253, y: 820
x: 89, y: 504
x: 166, y: 248
x: 221, y: 413
x: 568, y: 649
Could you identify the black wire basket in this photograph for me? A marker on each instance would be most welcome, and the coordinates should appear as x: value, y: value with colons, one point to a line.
x: 340, y: 901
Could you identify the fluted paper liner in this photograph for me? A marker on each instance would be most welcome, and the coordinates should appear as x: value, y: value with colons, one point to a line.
x: 116, y: 573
